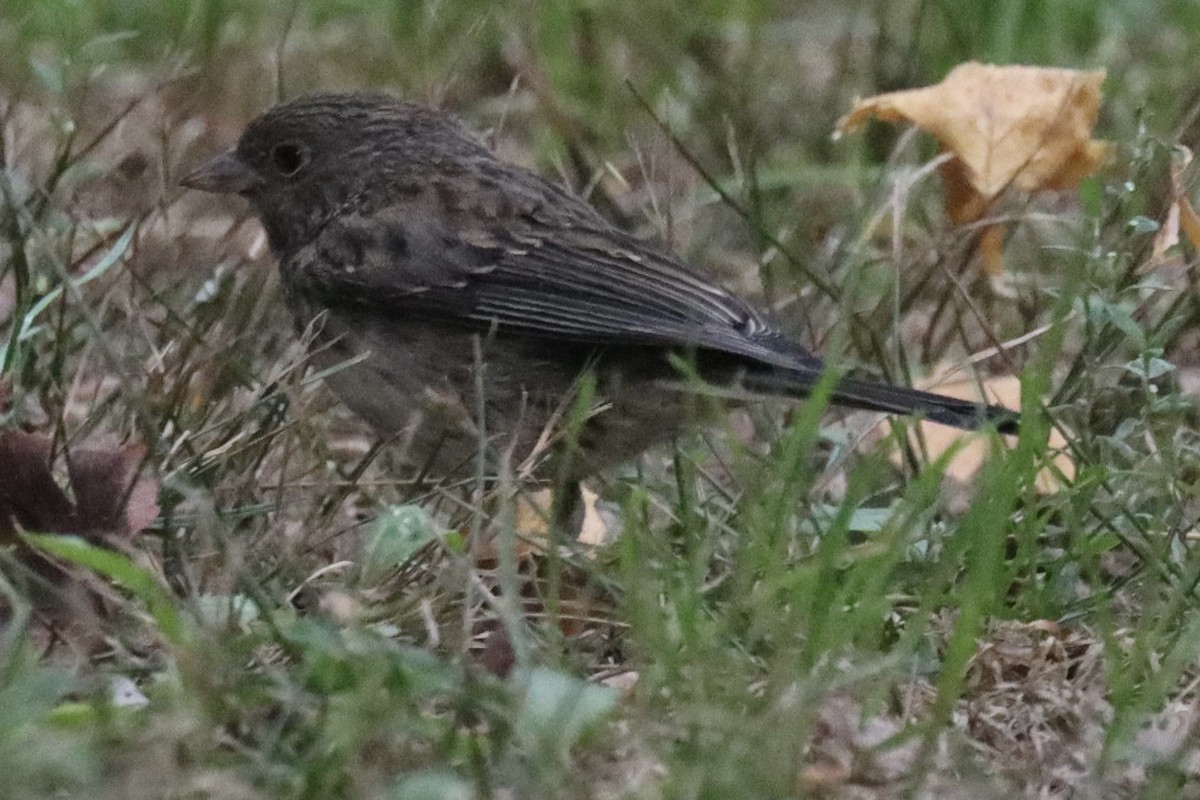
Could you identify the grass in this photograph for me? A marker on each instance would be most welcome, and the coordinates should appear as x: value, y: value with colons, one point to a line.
x: 787, y: 609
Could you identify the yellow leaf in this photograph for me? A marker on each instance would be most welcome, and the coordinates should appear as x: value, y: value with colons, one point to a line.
x: 1181, y: 217
x: 533, y: 512
x: 1189, y: 221
x: 1028, y: 127
x: 991, y: 250
x: 966, y: 463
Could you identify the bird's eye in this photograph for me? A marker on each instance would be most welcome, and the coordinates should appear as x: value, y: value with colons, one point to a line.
x: 289, y: 158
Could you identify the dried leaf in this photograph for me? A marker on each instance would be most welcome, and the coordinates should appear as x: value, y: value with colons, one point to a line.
x: 29, y: 497
x: 1028, y: 127
x: 108, y: 494
x: 1165, y: 240
x: 1189, y: 221
x: 110, y: 499
x: 852, y: 748
x: 498, y: 656
x: 991, y: 250
x: 533, y: 511
x: 8, y: 297
x: 124, y: 693
x: 1181, y: 217
x: 1167, y: 736
x: 578, y: 599
x: 1035, y: 695
x: 973, y: 447
x: 623, y: 682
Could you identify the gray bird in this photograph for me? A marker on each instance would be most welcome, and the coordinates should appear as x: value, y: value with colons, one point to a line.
x: 464, y: 283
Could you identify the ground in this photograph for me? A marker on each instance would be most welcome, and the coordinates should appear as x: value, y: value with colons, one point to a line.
x: 216, y: 582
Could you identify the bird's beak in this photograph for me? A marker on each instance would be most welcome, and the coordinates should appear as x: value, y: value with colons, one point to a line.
x: 225, y: 173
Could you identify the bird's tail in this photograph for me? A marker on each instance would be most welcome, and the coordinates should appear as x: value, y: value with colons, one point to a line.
x: 871, y: 396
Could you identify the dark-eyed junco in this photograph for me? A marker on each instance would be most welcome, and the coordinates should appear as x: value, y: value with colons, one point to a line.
x: 486, y: 301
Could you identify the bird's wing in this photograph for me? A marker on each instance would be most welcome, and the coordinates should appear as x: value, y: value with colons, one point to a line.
x: 582, y: 284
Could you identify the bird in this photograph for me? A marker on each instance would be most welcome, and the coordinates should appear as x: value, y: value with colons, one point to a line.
x: 471, y: 308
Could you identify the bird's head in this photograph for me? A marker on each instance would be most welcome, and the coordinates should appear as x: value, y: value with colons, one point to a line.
x: 304, y: 161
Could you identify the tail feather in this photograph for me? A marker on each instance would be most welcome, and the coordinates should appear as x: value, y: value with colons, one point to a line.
x: 870, y: 396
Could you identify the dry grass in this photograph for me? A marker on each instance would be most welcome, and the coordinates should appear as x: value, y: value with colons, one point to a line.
x: 783, y: 610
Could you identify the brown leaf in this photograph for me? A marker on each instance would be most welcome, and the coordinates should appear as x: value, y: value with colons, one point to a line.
x: 8, y: 296
x: 498, y: 656
x: 109, y: 496
x: 973, y: 447
x: 578, y: 599
x: 1028, y: 127
x: 851, y: 748
x: 110, y: 499
x: 1165, y: 240
x: 28, y: 494
x: 1181, y: 217
x: 1035, y: 694
x: 991, y: 250
x: 533, y: 512
x: 1189, y: 221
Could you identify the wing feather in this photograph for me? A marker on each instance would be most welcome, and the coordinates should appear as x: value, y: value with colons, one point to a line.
x: 585, y: 285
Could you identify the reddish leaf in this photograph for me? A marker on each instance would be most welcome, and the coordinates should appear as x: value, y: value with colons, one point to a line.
x: 28, y: 494
x: 108, y: 494
x: 110, y: 501
x: 141, y: 507
x: 498, y: 656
